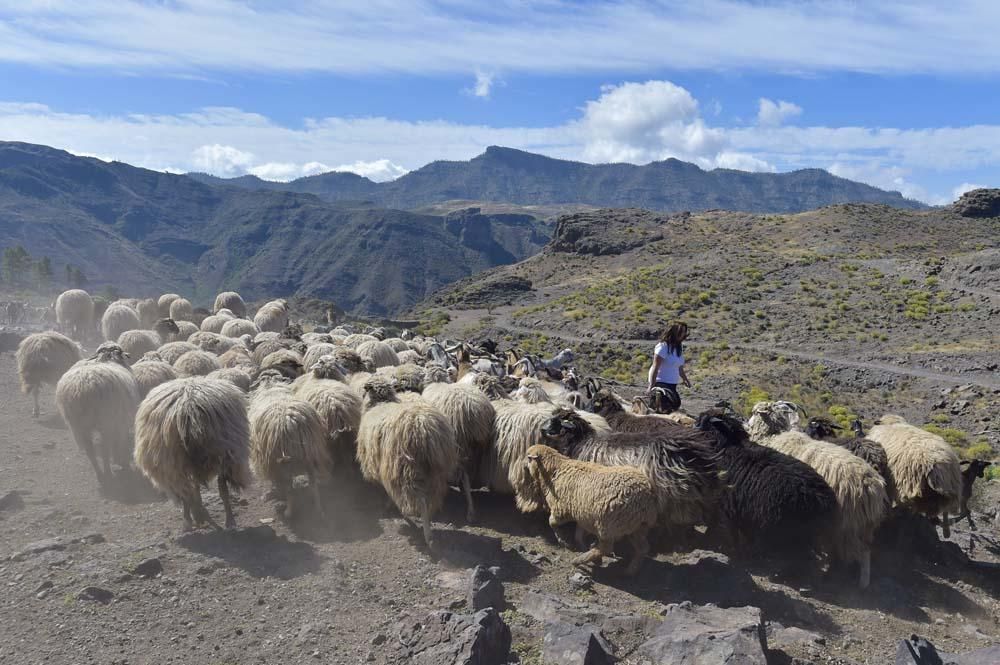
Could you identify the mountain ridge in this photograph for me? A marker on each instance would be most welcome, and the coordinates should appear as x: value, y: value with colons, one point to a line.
x: 525, y: 178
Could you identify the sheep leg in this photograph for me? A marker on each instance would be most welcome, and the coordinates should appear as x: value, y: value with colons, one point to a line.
x: 945, y: 525
x: 188, y: 522
x: 314, y: 489
x: 200, y: 513
x: 425, y: 518
x: 470, y: 510
x: 555, y: 522
x: 596, y: 555
x: 640, y: 543
x: 866, y: 569
x: 35, y: 411
x: 87, y: 445
x: 579, y: 537
x: 227, y: 502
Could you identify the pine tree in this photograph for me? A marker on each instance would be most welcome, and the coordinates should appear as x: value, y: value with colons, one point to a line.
x: 16, y: 263
x: 43, y: 272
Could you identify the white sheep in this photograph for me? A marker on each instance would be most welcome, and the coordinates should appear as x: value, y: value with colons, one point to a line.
x: 239, y: 327
x: 136, y: 343
x: 100, y: 395
x: 287, y: 438
x: 181, y: 310
x: 43, y: 358
x: 171, y: 351
x: 238, y: 356
x: 150, y: 373
x: 185, y: 329
x: 75, y: 313
x: 196, y: 363
x: 396, y: 344
x: 213, y: 342
x: 234, y: 375
x: 149, y: 313
x: 214, y: 323
x: 231, y: 301
x: 471, y: 413
x: 862, y: 500
x: 315, y: 352
x: 189, y: 431
x: 271, y: 317
x: 517, y: 427
x: 118, y: 318
x: 337, y: 404
x: 354, y: 340
x: 410, y: 449
x: 164, y: 302
x: 375, y: 354
x: 925, y: 470
x: 610, y: 502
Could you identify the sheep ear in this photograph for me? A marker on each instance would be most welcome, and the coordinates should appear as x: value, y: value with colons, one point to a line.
x: 964, y: 462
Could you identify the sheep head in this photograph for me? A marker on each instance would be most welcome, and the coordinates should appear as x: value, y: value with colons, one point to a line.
x: 328, y: 368
x: 565, y: 429
x: 528, y: 478
x: 822, y: 428
x: 725, y: 425
x: 891, y: 419
x: 436, y: 374
x: 857, y: 428
x: 269, y: 378
x: 166, y: 327
x: 491, y: 386
x: 605, y: 403
x: 378, y: 390
x: 772, y: 418
x: 109, y: 352
x: 292, y: 331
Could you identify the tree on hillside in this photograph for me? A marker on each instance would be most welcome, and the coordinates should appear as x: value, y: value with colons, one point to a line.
x: 43, y: 272
x: 74, y: 277
x: 16, y: 265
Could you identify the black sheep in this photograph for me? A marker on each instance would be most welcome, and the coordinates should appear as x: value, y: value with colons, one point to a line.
x: 772, y: 499
x: 872, y: 452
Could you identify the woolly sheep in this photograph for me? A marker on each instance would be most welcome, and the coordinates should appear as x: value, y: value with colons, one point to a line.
x: 375, y: 354
x: 117, y: 319
x: 137, y: 343
x: 171, y: 351
x: 264, y: 348
x: 226, y: 314
x: 287, y: 438
x: 149, y: 313
x: 314, y: 353
x: 862, y: 501
x: 185, y: 329
x: 410, y: 449
x: 338, y: 406
x: 181, y: 310
x: 610, y: 502
x: 239, y: 327
x: 925, y: 470
x: 517, y: 427
x: 436, y: 374
x: 213, y: 342
x: 232, y: 301
x: 234, y: 375
x: 471, y: 413
x: 288, y: 362
x: 150, y: 373
x: 679, y: 462
x: 349, y: 359
x: 196, y: 363
x: 100, y: 395
x: 214, y: 323
x: 75, y: 313
x: 404, y: 378
x: 271, y: 318
x: 823, y: 429
x: 357, y: 381
x: 355, y: 340
x: 237, y: 356
x: 164, y: 302
x: 396, y: 344
x: 189, y: 431
x: 43, y: 358
x: 266, y: 336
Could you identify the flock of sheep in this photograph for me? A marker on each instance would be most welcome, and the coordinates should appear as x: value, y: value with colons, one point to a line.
x: 187, y: 398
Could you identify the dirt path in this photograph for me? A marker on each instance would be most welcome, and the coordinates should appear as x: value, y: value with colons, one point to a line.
x: 901, y: 370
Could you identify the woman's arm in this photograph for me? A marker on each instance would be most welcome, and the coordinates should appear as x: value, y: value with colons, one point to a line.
x: 656, y: 370
x: 684, y: 377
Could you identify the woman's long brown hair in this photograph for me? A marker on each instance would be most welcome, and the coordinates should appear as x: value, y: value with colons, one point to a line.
x: 673, y: 336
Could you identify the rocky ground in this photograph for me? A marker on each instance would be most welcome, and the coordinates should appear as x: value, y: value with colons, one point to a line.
x: 113, y: 579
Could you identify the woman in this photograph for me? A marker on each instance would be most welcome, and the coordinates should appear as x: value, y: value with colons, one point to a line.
x: 668, y: 367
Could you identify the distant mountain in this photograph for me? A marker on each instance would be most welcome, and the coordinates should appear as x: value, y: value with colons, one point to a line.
x: 515, y: 176
x: 147, y: 232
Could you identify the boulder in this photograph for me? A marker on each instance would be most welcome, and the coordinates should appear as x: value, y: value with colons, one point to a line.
x: 485, y: 590
x: 707, y: 634
x: 569, y: 644
x: 444, y: 638
x: 978, y: 203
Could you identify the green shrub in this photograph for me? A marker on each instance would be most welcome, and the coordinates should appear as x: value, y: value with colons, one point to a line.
x: 748, y: 398
x: 979, y: 450
x: 952, y: 436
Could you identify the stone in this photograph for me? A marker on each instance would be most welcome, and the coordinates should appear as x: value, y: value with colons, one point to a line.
x: 485, y: 590
x: 569, y: 644
x: 987, y: 656
x: 779, y: 636
x: 444, y: 638
x: 91, y: 539
x: 37, y: 547
x: 148, y: 568
x: 580, y: 582
x: 96, y: 594
x: 11, y: 501
x: 708, y: 634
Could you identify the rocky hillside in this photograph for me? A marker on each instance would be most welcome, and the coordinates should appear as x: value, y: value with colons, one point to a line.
x: 514, y: 176
x: 146, y: 232
x: 859, y: 307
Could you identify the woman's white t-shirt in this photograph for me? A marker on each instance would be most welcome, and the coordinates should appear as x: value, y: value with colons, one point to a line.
x: 670, y: 365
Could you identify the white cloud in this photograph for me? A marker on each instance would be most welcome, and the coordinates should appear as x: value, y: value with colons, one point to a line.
x: 630, y: 122
x: 221, y: 159
x: 425, y: 37
x: 379, y: 170
x: 962, y: 189
x: 484, y: 83
x: 772, y: 114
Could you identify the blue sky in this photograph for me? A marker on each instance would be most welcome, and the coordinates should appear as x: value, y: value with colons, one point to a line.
x: 900, y: 94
